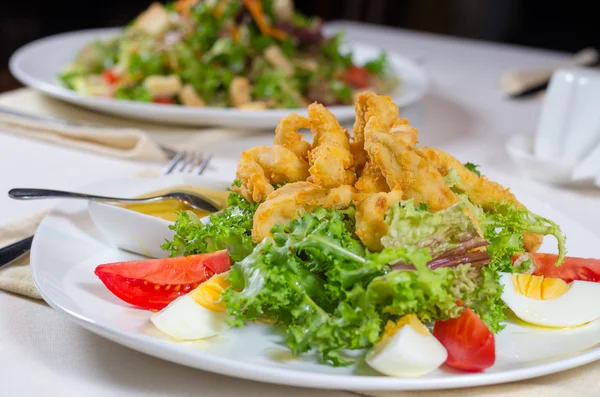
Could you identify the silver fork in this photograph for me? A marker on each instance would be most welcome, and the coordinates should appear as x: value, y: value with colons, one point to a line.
x: 185, y: 162
x: 188, y: 162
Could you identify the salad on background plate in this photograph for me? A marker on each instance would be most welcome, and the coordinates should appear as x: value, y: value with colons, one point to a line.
x: 245, y: 54
x: 364, y: 247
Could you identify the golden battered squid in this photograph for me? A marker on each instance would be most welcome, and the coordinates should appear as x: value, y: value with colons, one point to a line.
x: 370, y: 216
x: 478, y: 189
x: 286, y: 134
x: 262, y: 166
x: 402, y: 168
x: 372, y: 179
x: 294, y: 200
x: 331, y: 162
x: 369, y: 105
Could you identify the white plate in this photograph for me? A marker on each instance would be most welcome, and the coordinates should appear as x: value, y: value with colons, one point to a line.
x: 38, y: 64
x: 67, y: 247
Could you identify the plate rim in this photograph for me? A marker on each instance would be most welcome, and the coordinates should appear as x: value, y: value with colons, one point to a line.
x: 100, y: 103
x: 276, y: 374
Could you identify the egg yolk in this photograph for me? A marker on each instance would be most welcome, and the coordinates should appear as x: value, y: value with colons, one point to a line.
x: 539, y: 287
x: 410, y: 319
x: 208, y: 294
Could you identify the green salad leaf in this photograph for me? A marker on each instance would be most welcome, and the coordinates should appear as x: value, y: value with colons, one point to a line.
x: 504, y: 226
x: 134, y: 92
x: 378, y: 65
x: 316, y: 279
x: 274, y: 85
x: 474, y: 168
x: 332, y: 49
x: 439, y: 232
x: 229, y: 229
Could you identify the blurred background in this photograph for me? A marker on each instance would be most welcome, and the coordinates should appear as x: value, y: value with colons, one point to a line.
x: 557, y: 25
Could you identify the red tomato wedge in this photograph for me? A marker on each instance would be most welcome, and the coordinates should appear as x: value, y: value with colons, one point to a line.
x: 356, y: 77
x: 469, y: 342
x: 154, y: 283
x: 164, y: 100
x: 109, y: 76
x: 571, y: 269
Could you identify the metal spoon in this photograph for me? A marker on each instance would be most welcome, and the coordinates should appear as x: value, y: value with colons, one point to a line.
x: 191, y: 199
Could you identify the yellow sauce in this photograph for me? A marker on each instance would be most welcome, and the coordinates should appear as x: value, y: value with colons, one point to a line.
x: 167, y: 209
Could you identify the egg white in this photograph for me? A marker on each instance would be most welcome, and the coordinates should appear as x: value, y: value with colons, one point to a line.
x: 579, y: 305
x: 407, y: 353
x: 186, y: 319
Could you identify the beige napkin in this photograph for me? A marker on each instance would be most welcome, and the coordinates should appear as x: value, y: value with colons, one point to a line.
x: 515, y: 82
x: 16, y: 277
x: 120, y: 137
x: 126, y: 143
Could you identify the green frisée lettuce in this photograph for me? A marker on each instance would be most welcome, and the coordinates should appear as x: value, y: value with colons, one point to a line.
x: 504, y: 226
x: 316, y: 279
x: 310, y: 277
x: 442, y: 232
x: 228, y: 229
x: 439, y: 294
x: 330, y: 295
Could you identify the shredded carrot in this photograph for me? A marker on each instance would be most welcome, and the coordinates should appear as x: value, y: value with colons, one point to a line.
x: 183, y: 6
x: 220, y: 8
x: 277, y: 33
x: 235, y: 33
x: 256, y: 10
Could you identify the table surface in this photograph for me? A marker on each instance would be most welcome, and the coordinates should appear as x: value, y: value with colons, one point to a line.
x: 464, y: 113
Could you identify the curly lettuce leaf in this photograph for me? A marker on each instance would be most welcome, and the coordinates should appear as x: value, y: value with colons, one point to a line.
x: 422, y: 291
x: 485, y: 298
x: 316, y: 279
x: 228, y: 229
x: 504, y: 226
x: 440, y: 232
x: 440, y: 294
x: 309, y: 277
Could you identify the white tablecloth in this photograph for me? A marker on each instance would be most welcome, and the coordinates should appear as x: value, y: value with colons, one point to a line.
x: 42, y: 353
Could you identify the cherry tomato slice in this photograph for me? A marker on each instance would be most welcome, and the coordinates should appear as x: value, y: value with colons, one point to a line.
x: 571, y: 269
x: 356, y: 77
x: 164, y: 100
x: 109, y: 76
x: 154, y: 283
x: 469, y: 342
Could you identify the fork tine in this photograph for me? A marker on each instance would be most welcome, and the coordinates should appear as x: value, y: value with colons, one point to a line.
x: 194, y: 160
x: 170, y: 167
x: 188, y: 163
x: 203, y: 164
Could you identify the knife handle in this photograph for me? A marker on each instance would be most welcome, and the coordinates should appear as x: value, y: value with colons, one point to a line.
x: 15, y: 250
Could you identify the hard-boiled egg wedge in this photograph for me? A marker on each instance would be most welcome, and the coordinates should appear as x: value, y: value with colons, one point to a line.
x: 197, y: 315
x: 551, y: 302
x: 406, y: 349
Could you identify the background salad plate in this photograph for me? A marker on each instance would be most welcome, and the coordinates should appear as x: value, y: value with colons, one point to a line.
x: 38, y: 64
